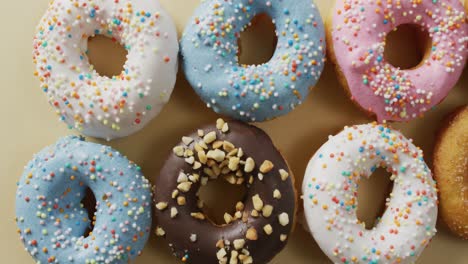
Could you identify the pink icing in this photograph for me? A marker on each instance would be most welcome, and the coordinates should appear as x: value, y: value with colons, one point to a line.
x: 359, y: 30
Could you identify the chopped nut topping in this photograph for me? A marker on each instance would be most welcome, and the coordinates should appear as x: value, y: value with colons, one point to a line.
x: 160, y: 232
x: 225, y: 128
x: 198, y: 216
x: 184, y: 186
x: 188, y: 153
x: 267, y: 210
x: 276, y: 194
x: 216, y: 170
x: 193, y: 237
x: 187, y: 140
x: 210, y: 137
x: 238, y: 214
x: 283, y: 219
x: 220, y: 243
x: 254, y: 213
x: 233, y: 259
x: 197, y: 147
x: 239, y: 243
x: 209, y: 173
x: 225, y: 170
x: 257, y: 202
x: 216, y: 154
x: 230, y: 178
x: 161, y: 206
x: 182, y: 177
x: 240, y: 181
x: 228, y: 146
x: 194, y: 178
x: 251, y: 179
x: 240, y: 153
x: 202, y: 157
x: 190, y: 160
x: 233, y: 163
x: 248, y: 260
x: 203, y: 145
x: 217, y: 144
x: 233, y: 153
x: 284, y: 174
x: 220, y: 123
x: 239, y: 206
x: 227, y: 218
x: 283, y: 237
x: 249, y: 165
x: 197, y: 165
x: 266, y: 166
x: 251, y: 234
x: 201, y: 133
x: 181, y: 200
x: 174, y: 194
x: 268, y: 229
x: 221, y: 253
x: 174, y: 212
x: 179, y: 151
x: 260, y: 176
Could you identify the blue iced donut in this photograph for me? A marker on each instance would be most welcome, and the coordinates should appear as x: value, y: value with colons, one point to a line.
x: 253, y: 93
x: 52, y: 220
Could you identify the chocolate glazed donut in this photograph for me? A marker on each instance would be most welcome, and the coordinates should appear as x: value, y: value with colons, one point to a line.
x: 241, y: 154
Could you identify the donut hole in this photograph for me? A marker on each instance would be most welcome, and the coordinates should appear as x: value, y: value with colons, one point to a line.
x: 220, y: 197
x: 257, y: 42
x: 89, y: 203
x: 407, y: 46
x: 106, y: 55
x: 372, y: 194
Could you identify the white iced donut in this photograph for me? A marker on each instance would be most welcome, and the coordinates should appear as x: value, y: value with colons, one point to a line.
x: 96, y: 105
x: 330, y: 197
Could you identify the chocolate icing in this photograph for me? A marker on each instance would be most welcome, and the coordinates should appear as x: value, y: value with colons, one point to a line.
x: 177, y: 231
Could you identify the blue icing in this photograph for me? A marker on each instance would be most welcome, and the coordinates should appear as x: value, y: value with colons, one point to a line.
x: 259, y: 92
x: 52, y: 220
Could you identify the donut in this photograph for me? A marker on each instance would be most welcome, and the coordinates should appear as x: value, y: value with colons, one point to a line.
x: 356, y: 39
x: 51, y: 218
x: 451, y: 171
x: 100, y: 106
x: 330, y: 189
x: 240, y: 154
x: 253, y: 93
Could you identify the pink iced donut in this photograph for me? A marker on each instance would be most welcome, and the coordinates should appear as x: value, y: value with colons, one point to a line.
x: 356, y: 42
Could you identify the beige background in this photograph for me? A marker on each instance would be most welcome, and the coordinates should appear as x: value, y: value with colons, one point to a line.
x: 29, y: 124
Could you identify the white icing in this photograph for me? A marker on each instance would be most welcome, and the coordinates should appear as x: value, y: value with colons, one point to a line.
x: 330, y: 197
x: 120, y: 105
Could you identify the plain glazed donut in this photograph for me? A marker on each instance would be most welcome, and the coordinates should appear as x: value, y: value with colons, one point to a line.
x: 50, y: 216
x: 240, y: 154
x: 330, y: 197
x: 356, y: 38
x: 96, y: 105
x: 253, y: 93
x: 451, y: 171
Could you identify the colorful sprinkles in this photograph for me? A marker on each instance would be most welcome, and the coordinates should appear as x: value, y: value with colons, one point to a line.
x: 358, y: 39
x: 50, y: 215
x: 330, y: 197
x: 100, y: 106
x: 251, y: 93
